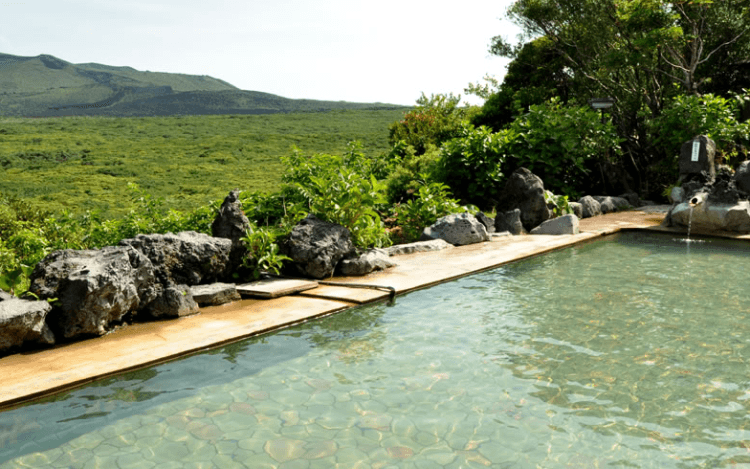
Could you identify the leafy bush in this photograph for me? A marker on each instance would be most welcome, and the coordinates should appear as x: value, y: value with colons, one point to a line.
x: 340, y: 190
x: 471, y: 164
x: 688, y: 116
x: 560, y: 204
x: 556, y: 143
x: 403, y: 180
x: 262, y: 252
x: 435, y: 120
x: 432, y: 202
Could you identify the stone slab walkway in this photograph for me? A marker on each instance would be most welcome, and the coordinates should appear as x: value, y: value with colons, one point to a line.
x: 30, y: 375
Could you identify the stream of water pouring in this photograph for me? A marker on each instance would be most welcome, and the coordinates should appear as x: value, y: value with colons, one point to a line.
x: 690, y: 223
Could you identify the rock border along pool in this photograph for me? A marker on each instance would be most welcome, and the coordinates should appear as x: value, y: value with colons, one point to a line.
x: 32, y: 375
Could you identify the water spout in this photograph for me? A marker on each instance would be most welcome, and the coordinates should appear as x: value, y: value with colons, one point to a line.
x: 698, y: 199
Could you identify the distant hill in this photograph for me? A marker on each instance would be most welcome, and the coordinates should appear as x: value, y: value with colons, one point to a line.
x: 45, y: 86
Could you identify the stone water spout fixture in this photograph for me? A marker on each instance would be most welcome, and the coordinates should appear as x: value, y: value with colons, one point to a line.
x: 713, y: 198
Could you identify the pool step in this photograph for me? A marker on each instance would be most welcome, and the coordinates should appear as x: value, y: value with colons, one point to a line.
x: 274, y: 288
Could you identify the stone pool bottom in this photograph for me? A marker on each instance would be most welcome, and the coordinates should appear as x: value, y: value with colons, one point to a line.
x: 624, y: 352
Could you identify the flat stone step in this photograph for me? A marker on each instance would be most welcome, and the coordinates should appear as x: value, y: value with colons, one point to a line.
x: 274, y: 288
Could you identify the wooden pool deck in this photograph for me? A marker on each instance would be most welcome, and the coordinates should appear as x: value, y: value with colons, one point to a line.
x: 34, y: 374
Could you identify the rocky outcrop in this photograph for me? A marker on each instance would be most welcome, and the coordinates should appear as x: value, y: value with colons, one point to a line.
x: 609, y: 204
x: 215, y: 294
x: 742, y: 177
x: 316, y: 247
x: 22, y: 323
x: 564, y: 225
x: 370, y: 261
x: 576, y: 208
x: 172, y: 301
x: 419, y: 246
x: 93, y: 288
x: 232, y: 224
x: 489, y: 223
x: 458, y: 229
x: 525, y: 191
x: 590, y: 207
x: 509, y: 221
x: 186, y: 258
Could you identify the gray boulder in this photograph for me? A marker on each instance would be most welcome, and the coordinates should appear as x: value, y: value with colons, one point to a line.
x: 173, y: 301
x: 632, y: 199
x: 5, y: 296
x: 316, y: 246
x: 186, y: 258
x: 23, y: 323
x: 509, y: 221
x: 419, y: 246
x: 742, y: 177
x: 577, y: 209
x: 590, y: 207
x: 370, y: 261
x: 458, y: 229
x: 564, y: 225
x: 525, y: 191
x: 489, y: 223
x: 232, y: 224
x: 710, y: 216
x: 611, y: 204
x: 94, y: 288
x: 215, y: 294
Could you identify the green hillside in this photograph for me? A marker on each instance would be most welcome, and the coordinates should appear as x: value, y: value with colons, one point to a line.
x: 86, y: 163
x: 45, y: 86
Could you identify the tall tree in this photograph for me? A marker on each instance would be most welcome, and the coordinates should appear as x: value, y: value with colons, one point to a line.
x: 639, y: 52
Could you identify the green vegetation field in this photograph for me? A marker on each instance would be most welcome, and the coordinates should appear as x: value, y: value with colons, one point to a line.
x: 86, y: 163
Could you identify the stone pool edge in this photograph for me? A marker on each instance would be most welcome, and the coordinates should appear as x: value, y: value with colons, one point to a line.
x: 37, y: 374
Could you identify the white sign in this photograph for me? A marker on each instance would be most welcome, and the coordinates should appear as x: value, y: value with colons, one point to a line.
x: 696, y: 150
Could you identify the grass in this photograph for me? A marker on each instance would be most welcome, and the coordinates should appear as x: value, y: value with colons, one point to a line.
x: 85, y: 163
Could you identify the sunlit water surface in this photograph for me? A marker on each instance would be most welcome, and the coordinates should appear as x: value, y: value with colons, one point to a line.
x: 628, y: 352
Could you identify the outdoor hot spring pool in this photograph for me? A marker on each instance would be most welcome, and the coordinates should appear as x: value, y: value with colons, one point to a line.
x: 630, y: 351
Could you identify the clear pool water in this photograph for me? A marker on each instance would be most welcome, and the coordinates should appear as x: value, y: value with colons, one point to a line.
x: 626, y: 352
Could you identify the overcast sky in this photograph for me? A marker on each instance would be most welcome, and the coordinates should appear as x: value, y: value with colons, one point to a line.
x: 375, y: 51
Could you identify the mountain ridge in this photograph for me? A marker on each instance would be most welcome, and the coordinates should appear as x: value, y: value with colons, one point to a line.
x: 47, y: 86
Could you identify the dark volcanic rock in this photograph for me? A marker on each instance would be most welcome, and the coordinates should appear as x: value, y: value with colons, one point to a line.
x: 509, y: 221
x: 186, y: 258
x: 173, y: 301
x: 316, y: 246
x: 742, y: 177
x: 94, y: 288
x: 524, y: 190
x: 232, y: 224
x: 23, y: 322
x: 590, y: 207
x: 489, y: 223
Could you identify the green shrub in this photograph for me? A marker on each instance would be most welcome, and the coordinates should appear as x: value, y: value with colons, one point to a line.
x: 435, y: 120
x: 432, y: 201
x: 342, y: 190
x: 403, y: 181
x: 262, y: 252
x: 560, y: 204
x: 557, y: 142
x: 686, y: 117
x: 471, y: 164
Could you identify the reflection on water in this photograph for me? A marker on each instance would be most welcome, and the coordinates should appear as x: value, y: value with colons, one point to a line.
x: 624, y: 353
